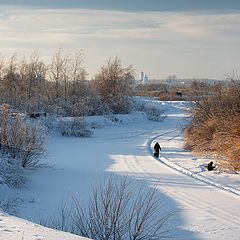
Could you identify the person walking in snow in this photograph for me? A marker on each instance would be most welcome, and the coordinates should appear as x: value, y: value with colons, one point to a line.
x: 157, y: 148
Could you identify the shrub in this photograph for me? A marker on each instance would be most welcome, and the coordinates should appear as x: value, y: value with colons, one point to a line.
x: 138, y: 104
x: 9, y: 205
x: 153, y: 112
x: 118, y: 209
x: 25, y: 143
x: 12, y: 173
x: 89, y: 106
x: 21, y: 145
x: 77, y: 127
x: 215, y: 126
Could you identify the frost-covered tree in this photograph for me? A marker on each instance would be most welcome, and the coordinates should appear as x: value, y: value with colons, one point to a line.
x: 77, y: 73
x: 10, y: 81
x: 61, y: 87
x: 21, y: 145
x: 113, y: 83
x: 21, y: 141
x: 2, y: 65
x: 33, y: 84
x: 56, y: 72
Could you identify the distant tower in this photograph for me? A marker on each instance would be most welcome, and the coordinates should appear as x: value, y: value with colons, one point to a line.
x: 145, y: 80
x: 141, y: 76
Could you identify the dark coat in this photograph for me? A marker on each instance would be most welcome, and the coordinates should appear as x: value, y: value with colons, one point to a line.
x: 157, y: 146
x: 210, y: 166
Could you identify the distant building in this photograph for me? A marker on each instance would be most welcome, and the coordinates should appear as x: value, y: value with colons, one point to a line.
x: 144, y: 78
x: 172, y: 78
x: 141, y: 76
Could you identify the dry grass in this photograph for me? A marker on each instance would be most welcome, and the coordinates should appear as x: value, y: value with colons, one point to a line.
x: 215, y: 127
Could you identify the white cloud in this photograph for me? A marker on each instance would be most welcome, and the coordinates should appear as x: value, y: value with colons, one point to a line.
x: 183, y: 36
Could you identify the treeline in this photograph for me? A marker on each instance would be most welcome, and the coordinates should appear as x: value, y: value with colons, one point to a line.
x: 215, y: 126
x: 32, y: 87
x: 163, y: 91
x: 175, y: 90
x: 61, y: 87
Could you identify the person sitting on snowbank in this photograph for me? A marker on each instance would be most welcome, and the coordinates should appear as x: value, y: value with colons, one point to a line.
x: 210, y: 166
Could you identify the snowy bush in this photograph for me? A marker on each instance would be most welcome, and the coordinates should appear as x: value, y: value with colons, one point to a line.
x: 153, y: 112
x: 77, y: 127
x: 8, y: 205
x: 50, y: 122
x: 21, y: 145
x: 21, y: 142
x: 12, y: 173
x: 113, y: 118
x: 138, y: 104
x: 98, y: 106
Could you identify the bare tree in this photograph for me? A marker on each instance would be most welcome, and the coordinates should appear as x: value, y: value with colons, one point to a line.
x: 66, y: 77
x: 78, y: 73
x: 56, y: 71
x: 21, y: 141
x: 118, y: 210
x: 79, y: 86
x: 62, y: 87
x: 114, y: 85
x: 9, y: 81
x: 33, y: 83
x: 2, y: 66
x: 4, y: 119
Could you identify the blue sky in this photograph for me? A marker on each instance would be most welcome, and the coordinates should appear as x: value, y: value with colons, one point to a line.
x: 186, y: 38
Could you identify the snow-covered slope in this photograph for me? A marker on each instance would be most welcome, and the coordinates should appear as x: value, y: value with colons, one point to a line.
x: 122, y: 147
x: 13, y: 228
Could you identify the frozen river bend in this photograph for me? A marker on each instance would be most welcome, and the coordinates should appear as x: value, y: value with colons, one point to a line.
x: 123, y: 148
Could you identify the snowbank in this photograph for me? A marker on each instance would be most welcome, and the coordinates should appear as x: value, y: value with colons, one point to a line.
x: 13, y: 228
x: 198, y: 177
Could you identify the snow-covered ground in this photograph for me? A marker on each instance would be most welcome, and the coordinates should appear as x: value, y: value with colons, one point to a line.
x: 12, y: 228
x: 206, y: 209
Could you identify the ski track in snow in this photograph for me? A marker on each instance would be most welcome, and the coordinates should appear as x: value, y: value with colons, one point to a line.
x: 189, y: 201
x: 135, y: 168
x: 187, y: 172
x: 213, y: 211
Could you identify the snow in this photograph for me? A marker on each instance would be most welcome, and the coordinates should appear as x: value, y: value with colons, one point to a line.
x: 12, y: 228
x: 205, y: 203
